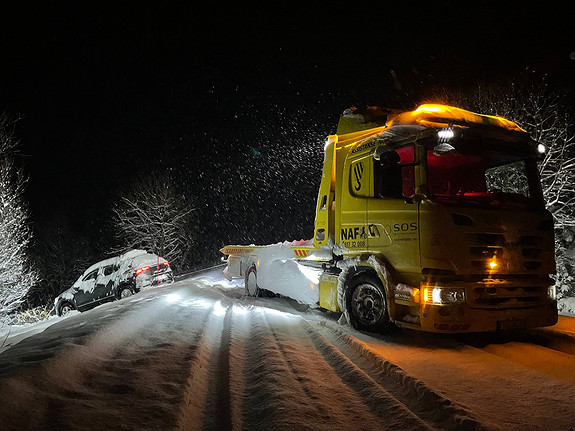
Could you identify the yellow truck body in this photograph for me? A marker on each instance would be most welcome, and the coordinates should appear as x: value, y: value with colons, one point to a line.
x: 431, y: 219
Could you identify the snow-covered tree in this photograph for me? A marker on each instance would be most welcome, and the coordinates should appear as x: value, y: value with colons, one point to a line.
x: 545, y: 115
x: 16, y: 272
x: 152, y: 215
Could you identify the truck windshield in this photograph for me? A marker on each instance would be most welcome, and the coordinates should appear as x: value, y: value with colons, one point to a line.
x: 486, y: 179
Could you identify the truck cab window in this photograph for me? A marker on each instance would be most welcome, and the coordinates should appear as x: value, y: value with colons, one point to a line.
x: 509, y: 178
x: 392, y: 178
x: 484, y: 178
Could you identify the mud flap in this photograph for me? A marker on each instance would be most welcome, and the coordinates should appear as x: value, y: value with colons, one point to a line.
x: 234, y: 268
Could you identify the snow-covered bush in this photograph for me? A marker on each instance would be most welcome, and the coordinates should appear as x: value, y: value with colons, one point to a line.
x: 33, y: 315
x: 16, y: 273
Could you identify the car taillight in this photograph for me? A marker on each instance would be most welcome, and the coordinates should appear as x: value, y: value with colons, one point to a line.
x: 142, y: 269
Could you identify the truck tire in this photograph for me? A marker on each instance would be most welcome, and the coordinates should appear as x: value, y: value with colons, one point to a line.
x: 366, y: 303
x: 251, y: 282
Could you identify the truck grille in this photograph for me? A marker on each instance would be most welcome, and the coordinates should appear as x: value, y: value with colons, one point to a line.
x: 507, y: 296
x: 523, y: 255
x: 505, y: 257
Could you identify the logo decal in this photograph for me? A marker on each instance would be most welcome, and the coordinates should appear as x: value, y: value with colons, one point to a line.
x: 358, y: 173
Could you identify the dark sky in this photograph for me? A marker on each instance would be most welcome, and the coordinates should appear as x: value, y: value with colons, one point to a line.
x: 107, y: 90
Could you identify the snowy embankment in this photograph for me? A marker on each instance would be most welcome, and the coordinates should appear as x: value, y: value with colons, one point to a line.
x: 13, y: 334
x: 199, y: 355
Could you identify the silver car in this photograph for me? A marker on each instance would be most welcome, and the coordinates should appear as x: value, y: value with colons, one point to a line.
x: 114, y: 278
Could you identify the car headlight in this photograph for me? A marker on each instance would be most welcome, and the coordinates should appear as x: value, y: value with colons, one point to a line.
x: 442, y: 295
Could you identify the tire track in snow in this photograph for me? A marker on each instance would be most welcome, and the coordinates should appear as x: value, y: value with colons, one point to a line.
x: 375, y: 396
x: 240, y: 345
x: 332, y: 392
x: 429, y: 406
x: 292, y: 368
x: 214, y: 392
x: 283, y: 388
x: 263, y: 393
x: 150, y: 370
x: 124, y: 375
x: 196, y: 410
x: 222, y: 384
x: 530, y: 351
x: 223, y: 365
x: 541, y: 359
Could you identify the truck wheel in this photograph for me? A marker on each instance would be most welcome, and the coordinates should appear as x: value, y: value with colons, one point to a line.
x: 251, y: 282
x: 366, y: 304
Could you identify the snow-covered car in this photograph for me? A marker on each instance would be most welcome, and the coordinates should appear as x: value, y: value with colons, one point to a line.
x: 114, y: 278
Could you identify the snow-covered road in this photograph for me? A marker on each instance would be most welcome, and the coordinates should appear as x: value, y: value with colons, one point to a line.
x: 198, y: 355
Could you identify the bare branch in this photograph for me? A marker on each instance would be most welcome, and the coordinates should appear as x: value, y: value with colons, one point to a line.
x: 153, y: 216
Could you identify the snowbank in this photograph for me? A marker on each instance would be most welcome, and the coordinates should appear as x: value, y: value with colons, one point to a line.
x: 13, y: 334
x: 566, y: 306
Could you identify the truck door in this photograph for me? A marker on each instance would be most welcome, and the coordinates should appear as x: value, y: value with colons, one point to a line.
x: 356, y: 189
x: 392, y: 212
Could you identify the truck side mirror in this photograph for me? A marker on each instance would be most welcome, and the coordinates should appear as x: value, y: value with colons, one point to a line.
x: 387, y: 157
x: 443, y: 149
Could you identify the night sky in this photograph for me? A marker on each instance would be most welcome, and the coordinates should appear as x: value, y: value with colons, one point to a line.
x: 108, y: 91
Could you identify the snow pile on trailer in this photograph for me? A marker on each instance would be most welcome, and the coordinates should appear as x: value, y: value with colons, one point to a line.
x: 280, y: 273
x: 289, y: 268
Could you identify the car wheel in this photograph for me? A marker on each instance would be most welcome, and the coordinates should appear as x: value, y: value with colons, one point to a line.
x: 251, y: 282
x: 124, y: 292
x: 65, y: 308
x: 366, y: 303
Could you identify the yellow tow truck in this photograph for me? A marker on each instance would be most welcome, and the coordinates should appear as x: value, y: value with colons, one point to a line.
x: 431, y: 219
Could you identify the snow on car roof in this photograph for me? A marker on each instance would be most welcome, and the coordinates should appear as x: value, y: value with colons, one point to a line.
x: 105, y: 262
x: 147, y: 259
x: 114, y: 260
x: 132, y: 253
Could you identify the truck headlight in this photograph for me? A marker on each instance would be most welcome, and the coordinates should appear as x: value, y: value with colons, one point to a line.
x: 551, y: 293
x: 443, y: 295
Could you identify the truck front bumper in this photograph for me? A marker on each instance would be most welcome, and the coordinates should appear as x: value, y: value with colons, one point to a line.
x: 463, y: 318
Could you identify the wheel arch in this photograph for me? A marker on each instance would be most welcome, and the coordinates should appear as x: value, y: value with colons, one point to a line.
x: 248, y: 262
x: 64, y: 302
x: 367, y: 265
x: 251, y: 268
x: 124, y: 285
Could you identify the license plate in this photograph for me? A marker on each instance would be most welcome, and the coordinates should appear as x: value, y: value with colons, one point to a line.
x: 506, y: 325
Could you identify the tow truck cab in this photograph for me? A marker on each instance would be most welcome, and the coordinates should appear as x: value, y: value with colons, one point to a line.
x: 446, y: 207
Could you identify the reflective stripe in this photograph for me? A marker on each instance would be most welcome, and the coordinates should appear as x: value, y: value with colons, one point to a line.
x: 301, y: 253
